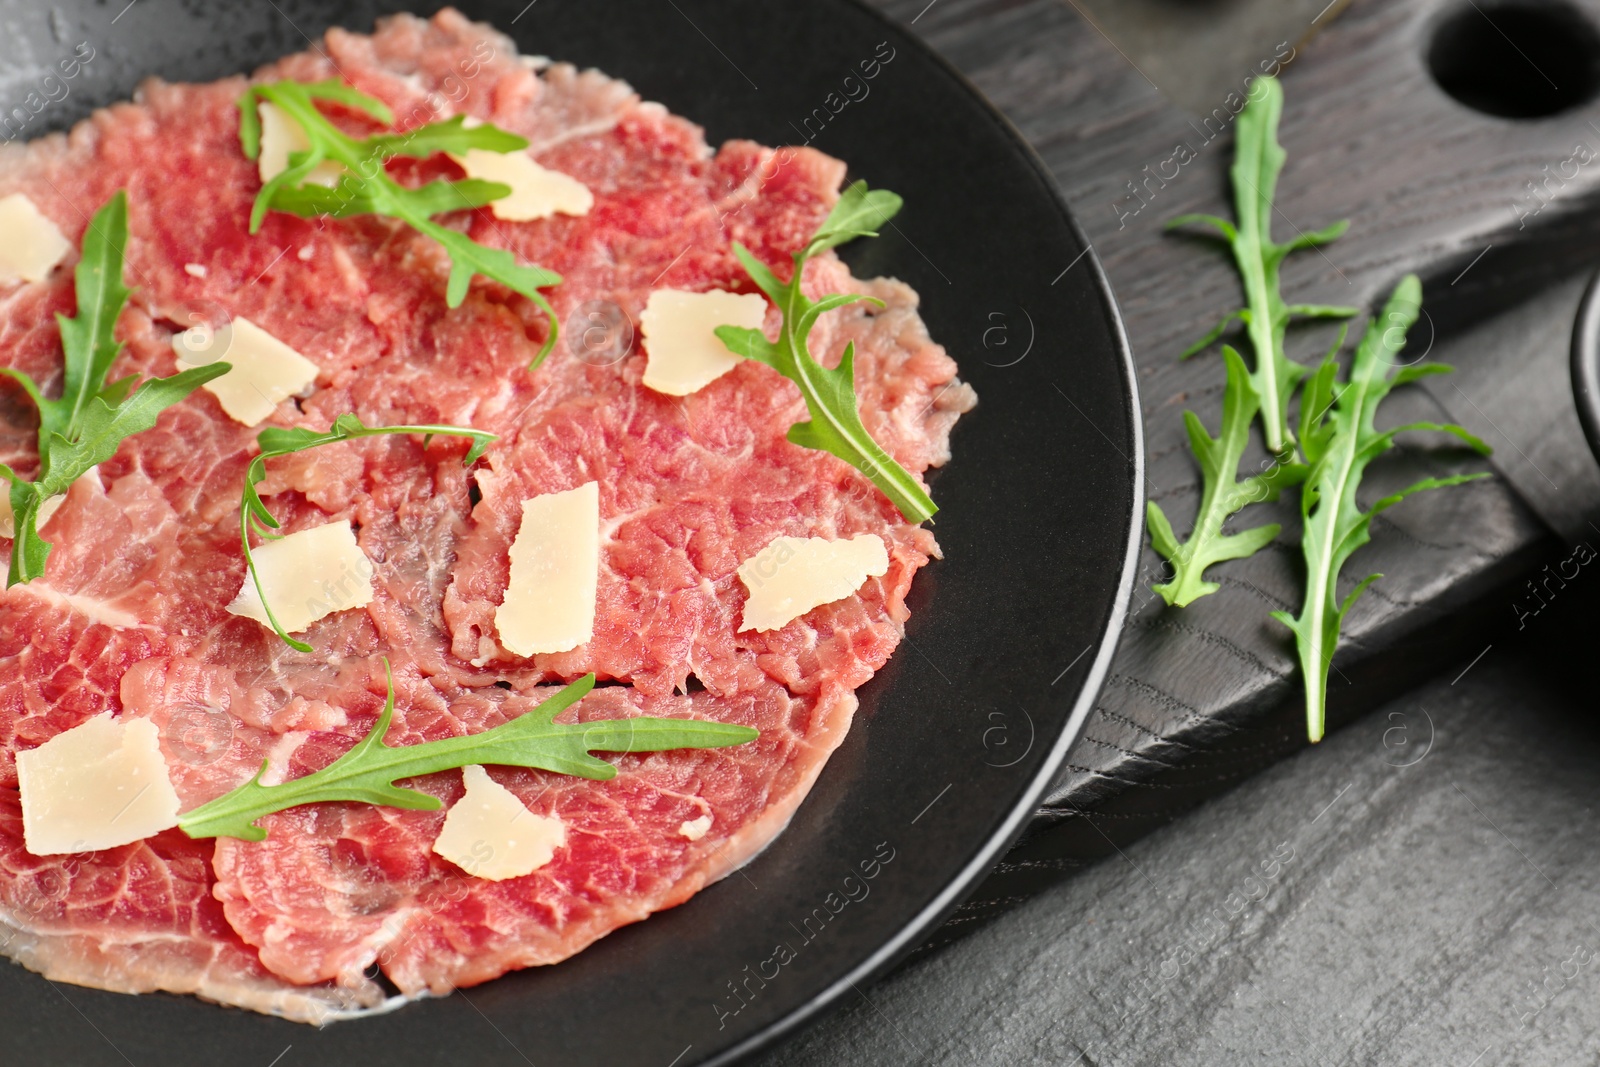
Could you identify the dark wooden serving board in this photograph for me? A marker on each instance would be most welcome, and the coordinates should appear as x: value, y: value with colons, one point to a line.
x: 1201, y: 698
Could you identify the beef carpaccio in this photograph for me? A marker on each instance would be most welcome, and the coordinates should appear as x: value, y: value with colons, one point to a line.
x: 130, y: 617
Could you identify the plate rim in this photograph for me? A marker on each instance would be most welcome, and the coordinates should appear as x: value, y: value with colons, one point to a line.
x: 1006, y: 823
x: 1585, y: 363
x: 973, y: 872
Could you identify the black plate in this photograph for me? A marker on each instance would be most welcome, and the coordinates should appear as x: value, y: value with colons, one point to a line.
x: 1586, y: 364
x: 1010, y: 635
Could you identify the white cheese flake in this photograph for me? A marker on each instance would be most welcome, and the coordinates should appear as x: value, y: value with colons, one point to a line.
x: 281, y: 135
x: 195, y: 270
x: 555, y: 569
x: 47, y: 510
x: 695, y: 829
x: 8, y: 518
x: 792, y: 575
x: 685, y: 354
x: 98, y: 785
x: 30, y: 244
x: 536, y: 192
x: 265, y: 371
x: 307, y: 576
x: 490, y: 834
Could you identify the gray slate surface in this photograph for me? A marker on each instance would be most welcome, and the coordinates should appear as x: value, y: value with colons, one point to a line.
x: 1420, y: 889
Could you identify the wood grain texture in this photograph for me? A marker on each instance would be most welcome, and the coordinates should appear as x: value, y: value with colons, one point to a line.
x: 1200, y: 699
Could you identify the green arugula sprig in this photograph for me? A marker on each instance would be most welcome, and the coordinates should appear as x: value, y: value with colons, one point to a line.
x: 1339, y: 445
x: 1223, y: 494
x: 1258, y: 159
x: 277, y: 441
x: 1336, y: 437
x: 1266, y: 391
x: 830, y: 394
x: 365, y: 188
x: 366, y: 773
x: 92, y: 417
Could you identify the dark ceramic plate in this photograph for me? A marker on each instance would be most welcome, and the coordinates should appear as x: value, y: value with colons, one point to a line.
x: 1586, y: 364
x: 1010, y: 634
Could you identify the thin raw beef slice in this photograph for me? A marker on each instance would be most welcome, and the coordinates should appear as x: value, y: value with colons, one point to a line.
x: 131, y: 618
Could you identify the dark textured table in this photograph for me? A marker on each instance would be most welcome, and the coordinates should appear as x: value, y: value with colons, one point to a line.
x: 1419, y: 889
x: 1416, y: 889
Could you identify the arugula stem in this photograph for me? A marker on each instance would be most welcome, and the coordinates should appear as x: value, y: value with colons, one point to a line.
x: 1272, y: 382
x: 367, y: 772
x: 830, y: 395
x: 1275, y: 378
x: 1316, y: 650
x: 254, y: 517
x: 366, y: 188
x: 1337, y: 434
x: 1341, y: 440
x: 93, y: 417
x: 895, y: 481
x: 1222, y: 494
x: 1258, y: 160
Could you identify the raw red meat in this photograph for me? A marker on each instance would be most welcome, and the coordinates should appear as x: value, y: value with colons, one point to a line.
x: 131, y: 614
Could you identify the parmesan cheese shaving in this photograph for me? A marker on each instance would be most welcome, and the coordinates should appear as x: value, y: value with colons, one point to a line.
x: 490, y: 834
x: 281, y: 135
x: 695, y: 829
x: 536, y: 192
x: 98, y: 785
x: 30, y: 244
x: 307, y: 576
x: 8, y: 518
x: 555, y: 568
x: 47, y: 510
x: 679, y: 327
x: 265, y: 371
x: 792, y: 575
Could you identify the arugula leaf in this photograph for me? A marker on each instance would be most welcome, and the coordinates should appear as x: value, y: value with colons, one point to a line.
x: 101, y: 296
x: 1258, y: 159
x: 366, y: 773
x: 830, y: 394
x: 92, y: 418
x: 277, y: 441
x: 452, y: 135
x: 1222, y: 496
x: 1264, y: 392
x: 1336, y: 434
x: 366, y: 188
x: 1339, y: 448
x: 349, y: 198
